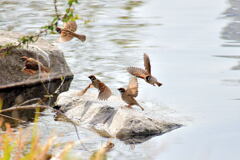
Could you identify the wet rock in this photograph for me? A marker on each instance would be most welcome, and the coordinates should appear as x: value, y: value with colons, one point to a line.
x: 17, y: 86
x: 110, y: 120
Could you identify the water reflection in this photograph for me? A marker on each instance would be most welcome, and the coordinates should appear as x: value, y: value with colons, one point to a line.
x: 231, y: 35
x: 231, y: 32
x: 235, y: 67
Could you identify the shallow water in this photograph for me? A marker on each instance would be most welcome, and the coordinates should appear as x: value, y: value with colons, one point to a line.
x: 194, y: 48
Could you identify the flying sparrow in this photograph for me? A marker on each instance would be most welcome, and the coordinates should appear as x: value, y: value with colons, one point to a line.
x: 31, y: 65
x: 144, y: 73
x: 131, y: 92
x: 104, y: 91
x: 68, y: 32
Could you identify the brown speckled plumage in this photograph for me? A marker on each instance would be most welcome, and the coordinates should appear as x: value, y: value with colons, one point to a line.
x: 131, y: 92
x: 144, y: 73
x: 104, y: 90
x: 68, y: 32
x: 31, y: 65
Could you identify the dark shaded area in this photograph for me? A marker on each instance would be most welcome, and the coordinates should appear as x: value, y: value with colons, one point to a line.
x: 16, y: 86
x: 231, y: 32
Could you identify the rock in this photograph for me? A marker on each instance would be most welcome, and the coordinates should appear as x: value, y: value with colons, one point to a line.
x: 17, y: 86
x: 110, y: 120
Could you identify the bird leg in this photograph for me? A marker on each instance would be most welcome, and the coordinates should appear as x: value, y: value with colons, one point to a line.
x: 129, y: 106
x: 140, y: 107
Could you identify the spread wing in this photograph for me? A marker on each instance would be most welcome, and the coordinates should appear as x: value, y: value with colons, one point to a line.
x: 34, y: 61
x: 147, y: 64
x: 104, y: 92
x: 36, y: 64
x: 71, y: 26
x: 132, y: 89
x: 82, y: 92
x: 138, y: 72
x: 66, y: 35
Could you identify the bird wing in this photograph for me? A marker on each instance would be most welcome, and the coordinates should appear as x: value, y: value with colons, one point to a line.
x: 147, y: 64
x: 36, y: 64
x: 65, y: 36
x: 68, y: 27
x: 132, y: 89
x: 32, y: 60
x: 33, y: 64
x: 79, y: 36
x: 82, y: 92
x: 138, y: 72
x: 104, y: 92
x: 71, y: 26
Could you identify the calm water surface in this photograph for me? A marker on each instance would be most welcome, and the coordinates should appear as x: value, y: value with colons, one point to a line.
x: 194, y: 48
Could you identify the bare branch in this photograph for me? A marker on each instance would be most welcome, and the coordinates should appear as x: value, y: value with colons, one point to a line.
x: 24, y: 108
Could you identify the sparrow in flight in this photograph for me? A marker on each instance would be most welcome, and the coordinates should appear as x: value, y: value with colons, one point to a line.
x: 104, y: 91
x: 129, y: 94
x: 31, y: 65
x: 68, y: 32
x: 144, y: 73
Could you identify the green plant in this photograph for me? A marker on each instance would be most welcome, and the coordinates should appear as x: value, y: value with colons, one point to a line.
x: 18, y: 145
x: 69, y: 15
x: 22, y: 145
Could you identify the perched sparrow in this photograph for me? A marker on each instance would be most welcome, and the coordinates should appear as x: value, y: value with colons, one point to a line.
x: 104, y: 91
x: 131, y: 92
x: 32, y: 65
x: 68, y: 32
x: 144, y: 73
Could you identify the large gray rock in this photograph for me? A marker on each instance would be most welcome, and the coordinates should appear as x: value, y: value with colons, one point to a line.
x: 17, y: 86
x: 110, y: 120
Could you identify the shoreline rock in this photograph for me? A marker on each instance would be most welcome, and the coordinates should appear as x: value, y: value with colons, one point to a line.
x: 128, y: 125
x: 17, y: 87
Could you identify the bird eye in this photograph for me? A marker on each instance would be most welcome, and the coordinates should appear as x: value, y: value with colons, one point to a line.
x: 148, y: 78
x: 58, y: 30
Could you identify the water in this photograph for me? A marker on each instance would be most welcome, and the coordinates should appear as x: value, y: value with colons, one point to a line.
x: 194, y: 48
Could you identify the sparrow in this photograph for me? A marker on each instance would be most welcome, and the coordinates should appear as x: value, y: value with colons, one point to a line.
x: 104, y: 91
x: 128, y: 95
x: 144, y: 73
x: 31, y: 65
x: 68, y: 32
